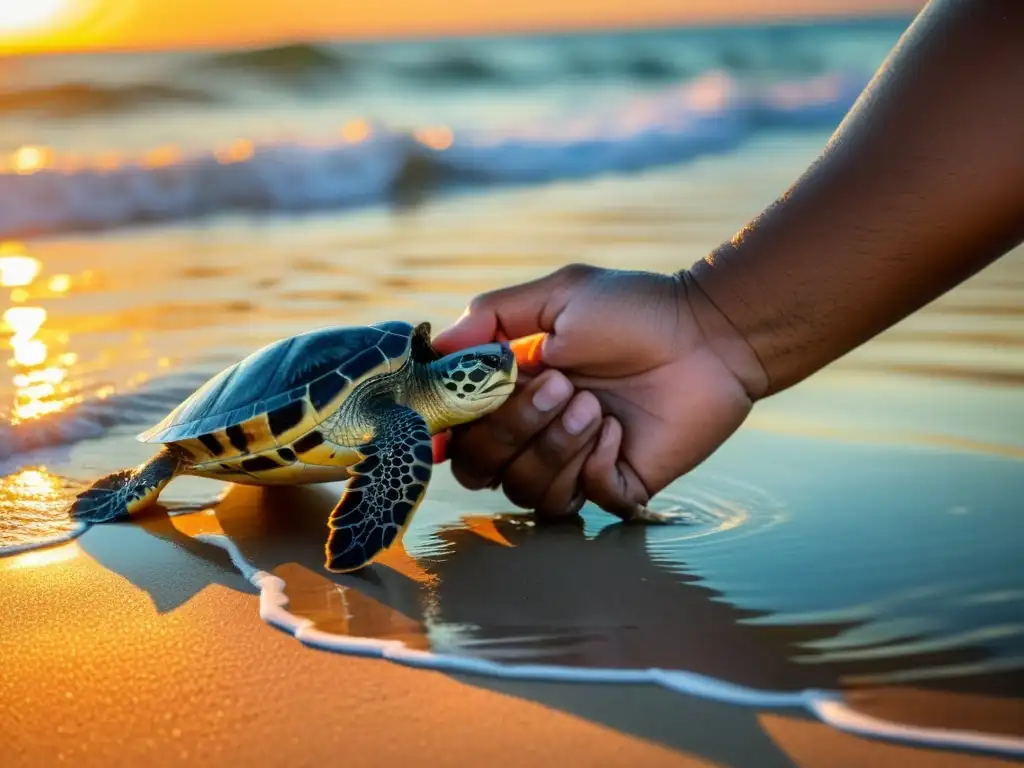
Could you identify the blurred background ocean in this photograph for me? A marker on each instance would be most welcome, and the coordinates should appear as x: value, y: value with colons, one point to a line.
x: 106, y: 141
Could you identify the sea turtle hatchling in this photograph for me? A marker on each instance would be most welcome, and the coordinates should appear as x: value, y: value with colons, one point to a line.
x: 358, y: 403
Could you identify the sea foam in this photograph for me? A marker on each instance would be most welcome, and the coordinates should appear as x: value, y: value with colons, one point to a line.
x: 827, y: 706
x: 368, y: 164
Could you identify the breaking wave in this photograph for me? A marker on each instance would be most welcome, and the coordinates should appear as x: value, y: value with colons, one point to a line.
x: 95, y: 416
x: 78, y: 99
x: 371, y: 164
x: 285, y: 64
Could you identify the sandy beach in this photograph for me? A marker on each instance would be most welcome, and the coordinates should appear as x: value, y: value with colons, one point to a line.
x: 846, y: 590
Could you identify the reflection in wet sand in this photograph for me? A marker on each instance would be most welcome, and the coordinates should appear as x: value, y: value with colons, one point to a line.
x: 332, y: 607
x: 41, y: 558
x: 808, y: 745
x: 341, y: 610
x: 942, y: 709
x: 454, y: 608
x: 498, y: 588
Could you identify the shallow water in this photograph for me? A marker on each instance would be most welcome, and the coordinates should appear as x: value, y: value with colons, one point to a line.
x: 861, y: 531
x: 34, y: 503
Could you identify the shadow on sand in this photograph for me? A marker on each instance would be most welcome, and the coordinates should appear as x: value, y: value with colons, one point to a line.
x: 493, y: 587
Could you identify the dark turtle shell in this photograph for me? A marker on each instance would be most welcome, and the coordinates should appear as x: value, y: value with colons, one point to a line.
x: 274, y: 381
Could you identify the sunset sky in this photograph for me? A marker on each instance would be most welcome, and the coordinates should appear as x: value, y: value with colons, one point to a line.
x: 27, y: 25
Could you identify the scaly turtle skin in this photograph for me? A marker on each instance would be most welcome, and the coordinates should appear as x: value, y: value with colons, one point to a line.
x: 358, y: 403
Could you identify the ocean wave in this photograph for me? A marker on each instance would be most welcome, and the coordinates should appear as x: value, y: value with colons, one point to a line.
x: 643, y: 57
x: 95, y: 416
x: 370, y: 164
x: 458, y: 68
x: 310, y: 64
x: 79, y: 99
x: 283, y: 63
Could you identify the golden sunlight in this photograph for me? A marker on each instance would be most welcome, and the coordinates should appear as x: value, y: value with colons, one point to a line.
x: 37, y: 25
x: 18, y: 270
x: 30, y: 159
x: 49, y: 556
x: 29, y: 15
x: 355, y: 131
x: 40, y: 387
x: 436, y: 137
x: 25, y: 322
x: 59, y: 283
x: 40, y: 382
x: 33, y: 484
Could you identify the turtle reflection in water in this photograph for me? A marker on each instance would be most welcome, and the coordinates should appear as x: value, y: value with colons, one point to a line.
x: 358, y: 403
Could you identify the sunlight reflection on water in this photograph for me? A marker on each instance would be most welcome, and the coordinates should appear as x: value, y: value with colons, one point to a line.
x: 40, y: 372
x: 34, y: 505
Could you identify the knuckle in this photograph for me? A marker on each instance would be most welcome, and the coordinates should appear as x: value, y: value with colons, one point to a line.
x: 469, y: 455
x: 485, y: 303
x: 467, y: 475
x: 556, y: 447
x: 575, y: 271
x: 509, y: 433
x: 521, y: 493
x: 610, y: 493
x: 561, y: 501
x: 517, y: 422
x: 478, y: 303
x: 601, y: 487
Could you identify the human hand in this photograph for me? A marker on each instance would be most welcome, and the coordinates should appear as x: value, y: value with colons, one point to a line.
x: 638, y: 379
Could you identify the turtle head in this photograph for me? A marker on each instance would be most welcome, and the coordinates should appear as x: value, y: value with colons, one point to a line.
x: 475, y: 381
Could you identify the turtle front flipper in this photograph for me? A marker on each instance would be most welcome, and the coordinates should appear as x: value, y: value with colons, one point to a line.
x: 387, y: 486
x: 122, y: 494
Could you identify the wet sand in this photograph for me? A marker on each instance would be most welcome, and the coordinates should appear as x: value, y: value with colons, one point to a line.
x: 136, y: 643
x: 163, y: 659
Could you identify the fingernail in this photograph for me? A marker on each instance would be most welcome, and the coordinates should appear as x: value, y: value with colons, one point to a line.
x: 580, y: 415
x: 553, y: 392
x: 605, y: 439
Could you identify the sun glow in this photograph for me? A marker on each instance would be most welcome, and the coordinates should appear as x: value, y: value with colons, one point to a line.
x: 40, y: 373
x: 29, y: 15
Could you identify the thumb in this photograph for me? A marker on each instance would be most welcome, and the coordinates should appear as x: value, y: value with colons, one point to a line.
x: 470, y: 329
x: 510, y: 313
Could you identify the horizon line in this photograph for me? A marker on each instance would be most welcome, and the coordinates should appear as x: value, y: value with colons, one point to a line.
x: 521, y: 31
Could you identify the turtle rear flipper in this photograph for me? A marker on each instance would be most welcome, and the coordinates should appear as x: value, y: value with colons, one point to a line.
x: 387, y: 486
x: 121, y: 494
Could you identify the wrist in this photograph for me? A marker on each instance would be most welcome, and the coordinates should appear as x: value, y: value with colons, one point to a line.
x: 724, y: 339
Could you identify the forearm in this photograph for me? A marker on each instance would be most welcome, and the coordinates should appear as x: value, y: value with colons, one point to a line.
x: 920, y: 187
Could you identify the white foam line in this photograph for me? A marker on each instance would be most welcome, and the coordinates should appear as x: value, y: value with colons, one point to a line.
x: 60, y: 538
x: 827, y: 706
